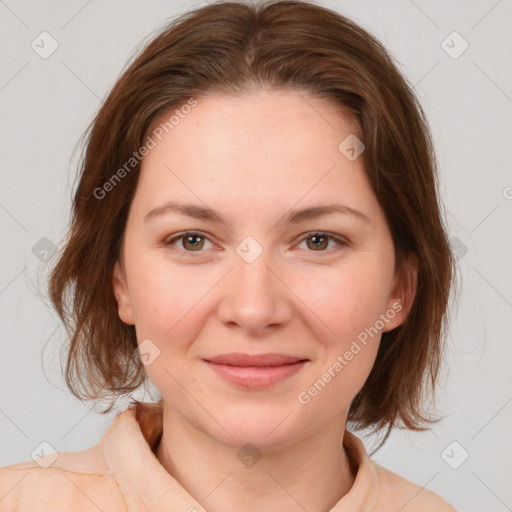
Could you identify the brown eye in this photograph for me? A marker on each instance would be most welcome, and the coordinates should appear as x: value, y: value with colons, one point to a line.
x: 191, y: 242
x: 319, y: 242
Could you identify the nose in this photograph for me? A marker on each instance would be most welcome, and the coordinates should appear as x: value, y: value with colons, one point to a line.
x: 255, y: 297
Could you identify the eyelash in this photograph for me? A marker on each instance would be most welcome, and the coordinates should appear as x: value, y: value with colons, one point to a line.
x: 339, y: 241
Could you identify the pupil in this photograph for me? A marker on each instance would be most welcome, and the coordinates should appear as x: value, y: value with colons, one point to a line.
x: 317, y: 240
x: 191, y: 238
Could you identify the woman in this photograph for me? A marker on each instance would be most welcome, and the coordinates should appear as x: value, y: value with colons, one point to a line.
x: 256, y: 231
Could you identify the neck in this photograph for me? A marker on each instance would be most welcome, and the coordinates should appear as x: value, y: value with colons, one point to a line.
x: 312, y: 473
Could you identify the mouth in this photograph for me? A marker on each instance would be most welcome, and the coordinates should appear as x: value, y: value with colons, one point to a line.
x: 255, y: 371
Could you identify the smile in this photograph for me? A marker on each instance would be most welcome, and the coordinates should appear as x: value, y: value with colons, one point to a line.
x: 255, y: 372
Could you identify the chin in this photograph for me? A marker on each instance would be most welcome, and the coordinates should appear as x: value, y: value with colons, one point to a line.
x: 263, y: 426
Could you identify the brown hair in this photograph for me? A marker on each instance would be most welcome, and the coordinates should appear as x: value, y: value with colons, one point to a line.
x: 230, y: 47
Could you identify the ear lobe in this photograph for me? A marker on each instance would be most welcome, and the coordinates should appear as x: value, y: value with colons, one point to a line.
x: 121, y: 294
x: 404, y: 292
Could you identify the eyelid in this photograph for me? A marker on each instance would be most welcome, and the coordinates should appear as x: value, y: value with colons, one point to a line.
x: 340, y: 241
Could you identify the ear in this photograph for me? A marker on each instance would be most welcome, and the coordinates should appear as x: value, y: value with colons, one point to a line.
x: 404, y: 291
x: 121, y: 294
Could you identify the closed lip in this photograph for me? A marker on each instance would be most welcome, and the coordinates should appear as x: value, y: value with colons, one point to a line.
x: 239, y: 359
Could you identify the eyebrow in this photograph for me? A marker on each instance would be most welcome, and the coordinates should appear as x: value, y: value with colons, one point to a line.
x: 292, y: 217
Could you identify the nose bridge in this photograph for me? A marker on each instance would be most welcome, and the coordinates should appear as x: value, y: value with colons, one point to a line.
x: 256, y: 297
x: 253, y: 267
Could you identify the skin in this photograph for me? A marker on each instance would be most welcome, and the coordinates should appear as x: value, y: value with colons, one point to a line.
x: 252, y: 159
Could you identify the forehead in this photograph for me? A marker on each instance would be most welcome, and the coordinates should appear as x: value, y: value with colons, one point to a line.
x: 280, y: 123
x: 276, y: 147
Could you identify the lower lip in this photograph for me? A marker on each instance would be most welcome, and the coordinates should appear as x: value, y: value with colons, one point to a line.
x: 256, y: 376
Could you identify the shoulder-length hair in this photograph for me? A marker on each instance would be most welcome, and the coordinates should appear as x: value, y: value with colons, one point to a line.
x: 231, y: 47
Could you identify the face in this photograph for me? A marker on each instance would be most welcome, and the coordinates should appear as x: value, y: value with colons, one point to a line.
x: 255, y: 278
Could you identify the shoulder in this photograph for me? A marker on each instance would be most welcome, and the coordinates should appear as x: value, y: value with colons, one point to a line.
x: 73, y: 481
x: 398, y: 493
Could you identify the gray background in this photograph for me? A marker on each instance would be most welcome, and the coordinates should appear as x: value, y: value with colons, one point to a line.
x: 46, y: 104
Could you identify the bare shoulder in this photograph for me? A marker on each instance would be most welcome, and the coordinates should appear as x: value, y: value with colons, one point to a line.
x: 398, y: 493
x: 72, y: 482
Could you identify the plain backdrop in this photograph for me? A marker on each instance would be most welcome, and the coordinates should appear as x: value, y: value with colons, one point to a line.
x: 457, y: 54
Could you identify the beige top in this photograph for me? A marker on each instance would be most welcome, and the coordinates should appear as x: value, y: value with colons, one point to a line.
x: 122, y: 473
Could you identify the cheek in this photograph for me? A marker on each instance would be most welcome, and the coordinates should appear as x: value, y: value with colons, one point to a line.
x: 167, y: 309
x: 168, y: 301
x: 345, y: 301
x: 349, y: 306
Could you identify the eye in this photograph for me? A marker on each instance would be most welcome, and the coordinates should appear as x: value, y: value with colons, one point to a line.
x: 192, y: 241
x: 320, y: 241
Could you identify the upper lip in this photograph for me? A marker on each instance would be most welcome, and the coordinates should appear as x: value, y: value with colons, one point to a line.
x: 239, y: 359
